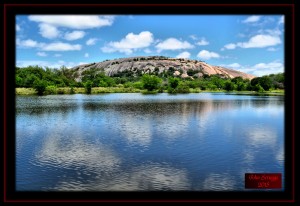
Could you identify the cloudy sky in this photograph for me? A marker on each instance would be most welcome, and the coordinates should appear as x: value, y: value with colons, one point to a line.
x: 248, y: 43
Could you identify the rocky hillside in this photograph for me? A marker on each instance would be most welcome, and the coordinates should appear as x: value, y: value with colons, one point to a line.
x: 184, y: 68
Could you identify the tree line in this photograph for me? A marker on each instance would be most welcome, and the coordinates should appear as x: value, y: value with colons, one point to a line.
x: 49, y: 79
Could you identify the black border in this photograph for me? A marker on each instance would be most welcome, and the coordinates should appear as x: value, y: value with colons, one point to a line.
x: 10, y: 195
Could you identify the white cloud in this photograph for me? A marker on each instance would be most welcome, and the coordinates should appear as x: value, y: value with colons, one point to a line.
x: 230, y: 46
x: 257, y: 41
x: 259, y: 69
x: 59, y: 46
x: 194, y: 37
x: 252, y: 19
x: 86, y: 55
x: 18, y: 28
x: 260, y: 41
x: 271, y: 65
x: 91, y: 41
x: 74, y: 21
x: 204, y: 54
x: 173, y: 44
x: 202, y: 42
x: 44, y: 64
x: 41, y: 54
x: 268, y: 68
x: 48, y: 31
x: 185, y: 55
x: 147, y: 51
x: 281, y: 20
x: 29, y: 43
x: 234, y: 65
x: 129, y: 43
x: 272, y: 49
x: 71, y: 36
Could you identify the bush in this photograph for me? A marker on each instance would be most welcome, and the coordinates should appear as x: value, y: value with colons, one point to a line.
x: 72, y: 91
x: 88, y: 87
x: 173, y: 82
x: 182, y: 88
x: 51, y: 90
x: 258, y: 88
x: 151, y: 82
x: 40, y: 86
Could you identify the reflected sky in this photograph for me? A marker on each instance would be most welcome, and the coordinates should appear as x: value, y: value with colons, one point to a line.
x: 121, y: 142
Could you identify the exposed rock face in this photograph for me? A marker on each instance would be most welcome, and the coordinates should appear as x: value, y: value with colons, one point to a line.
x: 159, y: 64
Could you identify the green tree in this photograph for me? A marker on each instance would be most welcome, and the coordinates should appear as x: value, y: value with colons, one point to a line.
x: 229, y: 86
x: 40, y: 86
x: 151, y: 82
x: 265, y: 82
x: 88, y: 86
x: 173, y: 82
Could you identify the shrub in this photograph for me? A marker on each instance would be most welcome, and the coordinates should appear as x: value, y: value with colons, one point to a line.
x: 151, y: 82
x: 88, y: 87
x: 40, y: 86
x: 51, y: 89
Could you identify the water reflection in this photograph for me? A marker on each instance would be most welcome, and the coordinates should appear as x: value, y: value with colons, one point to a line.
x: 75, y: 152
x: 219, y: 182
x: 133, y: 142
x: 147, y: 177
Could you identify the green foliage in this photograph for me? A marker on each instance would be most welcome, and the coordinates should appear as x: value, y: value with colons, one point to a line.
x: 265, y: 82
x: 173, y: 82
x: 229, y: 86
x: 72, y: 91
x: 51, y: 89
x: 258, y: 88
x: 40, y: 86
x: 50, y: 81
x: 151, y: 82
x: 88, y: 86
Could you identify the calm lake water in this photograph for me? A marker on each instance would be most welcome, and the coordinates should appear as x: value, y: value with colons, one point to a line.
x: 134, y: 142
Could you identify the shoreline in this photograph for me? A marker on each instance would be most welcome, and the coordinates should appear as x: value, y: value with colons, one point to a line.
x: 107, y: 90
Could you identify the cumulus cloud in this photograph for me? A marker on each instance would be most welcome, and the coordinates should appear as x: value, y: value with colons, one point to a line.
x: 272, y: 49
x: 86, y: 55
x: 48, y: 31
x: 185, y: 55
x: 204, y: 54
x: 29, y: 43
x: 18, y: 28
x: 57, y: 46
x: 252, y: 19
x: 41, y: 54
x: 147, y: 51
x: 274, y: 67
x: 202, y: 42
x: 44, y: 64
x: 234, y: 65
x: 281, y: 20
x: 257, y: 41
x: 230, y: 46
x: 130, y: 43
x: 60, y: 46
x: 194, y: 37
x: 173, y: 44
x: 91, y: 41
x: 71, y: 36
x: 74, y: 21
x: 259, y: 69
x: 260, y: 41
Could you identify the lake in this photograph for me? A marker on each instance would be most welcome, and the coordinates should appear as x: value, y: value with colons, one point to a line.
x: 136, y: 142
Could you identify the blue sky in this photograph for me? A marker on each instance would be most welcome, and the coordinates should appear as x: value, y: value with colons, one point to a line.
x: 249, y: 43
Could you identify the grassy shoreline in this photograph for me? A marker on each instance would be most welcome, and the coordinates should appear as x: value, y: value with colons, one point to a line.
x: 101, y: 90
